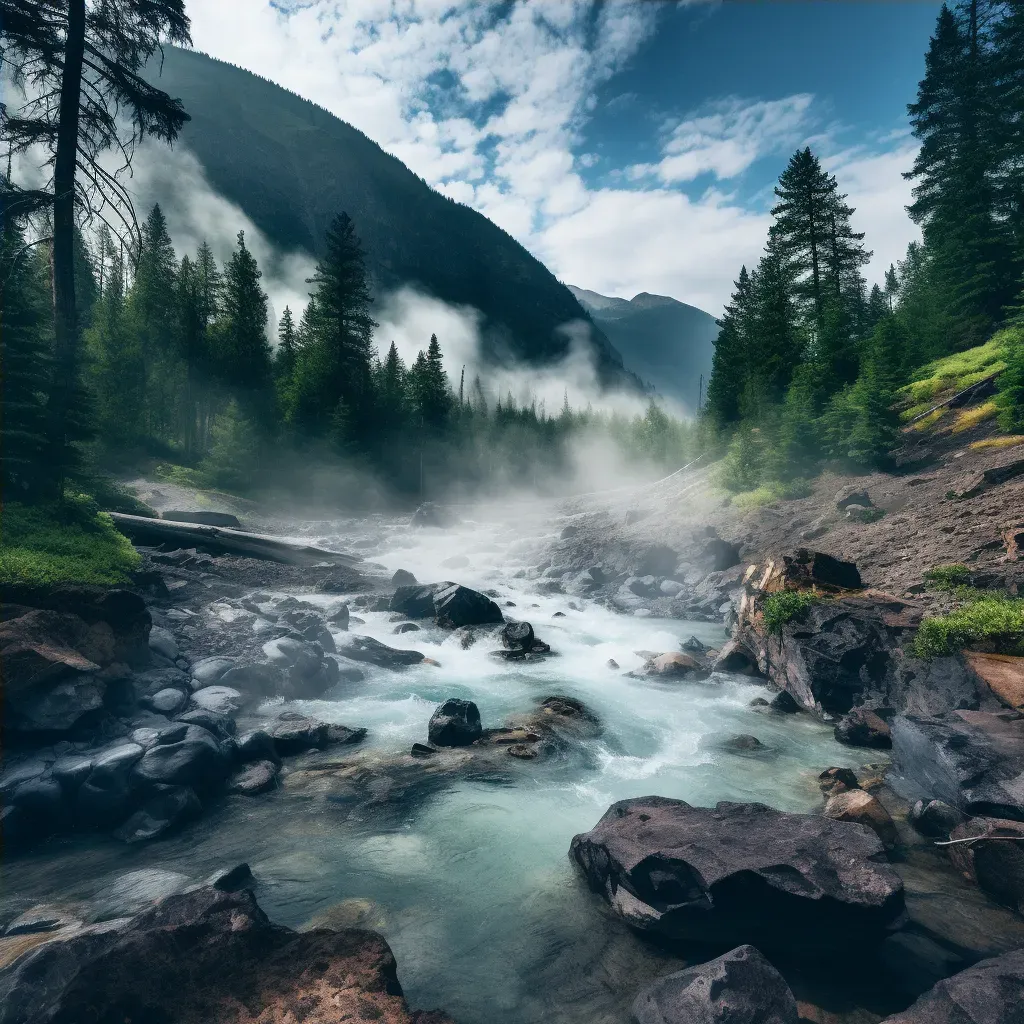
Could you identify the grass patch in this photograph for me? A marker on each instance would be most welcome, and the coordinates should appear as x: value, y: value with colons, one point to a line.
x: 993, y: 619
x: 786, y: 605
x: 915, y: 410
x: 928, y: 421
x: 996, y: 442
x: 70, y: 542
x: 967, y: 418
x: 956, y: 372
x: 948, y: 577
x: 771, y: 492
x: 183, y: 476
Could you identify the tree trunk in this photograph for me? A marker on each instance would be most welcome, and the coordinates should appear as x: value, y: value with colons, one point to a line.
x: 65, y: 319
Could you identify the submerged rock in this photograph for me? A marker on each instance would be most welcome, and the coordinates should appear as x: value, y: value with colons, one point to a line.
x: 741, y: 873
x: 293, y: 733
x: 740, y: 987
x: 935, y: 818
x: 863, y: 728
x: 357, y: 647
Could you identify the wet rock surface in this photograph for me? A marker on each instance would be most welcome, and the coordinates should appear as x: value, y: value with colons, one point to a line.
x: 741, y: 873
x: 201, y: 956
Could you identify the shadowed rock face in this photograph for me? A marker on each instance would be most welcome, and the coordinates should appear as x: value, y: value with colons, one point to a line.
x: 741, y: 873
x: 991, y: 992
x: 206, y: 956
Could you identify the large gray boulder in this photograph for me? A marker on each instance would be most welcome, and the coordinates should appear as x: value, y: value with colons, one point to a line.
x: 740, y: 987
x: 451, y: 604
x: 196, y: 760
x: 357, y: 647
x: 456, y: 723
x: 738, y: 873
x: 991, y: 992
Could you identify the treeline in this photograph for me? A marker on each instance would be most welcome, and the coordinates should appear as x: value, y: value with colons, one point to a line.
x: 177, y: 365
x: 808, y: 359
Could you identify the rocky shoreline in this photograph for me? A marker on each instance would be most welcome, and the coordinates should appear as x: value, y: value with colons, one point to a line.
x: 135, y: 711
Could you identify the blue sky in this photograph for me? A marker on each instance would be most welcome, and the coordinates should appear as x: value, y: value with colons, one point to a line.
x: 632, y: 145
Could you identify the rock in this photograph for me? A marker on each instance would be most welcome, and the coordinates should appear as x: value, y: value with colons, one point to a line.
x: 294, y: 733
x: 405, y: 627
x: 517, y: 636
x: 422, y: 750
x: 43, y: 802
x: 365, y: 649
x: 737, y: 658
x: 670, y: 587
x: 521, y: 751
x: 105, y: 798
x: 415, y: 601
x: 837, y: 780
x: 847, y: 496
x: 403, y: 578
x: 254, y: 778
x: 222, y: 726
x: 207, y: 671
x: 196, y: 760
x: 990, y: 478
x: 222, y: 700
x: 740, y: 987
x: 456, y: 606
x: 935, y: 818
x: 995, y: 860
x: 742, y: 872
x: 208, y: 955
x: 657, y: 560
x: 73, y: 769
x: 256, y: 745
x: 162, y: 641
x: 262, y: 680
x: 759, y: 702
x: 204, y: 518
x: 299, y: 655
x: 807, y: 567
x: 744, y: 743
x: 676, y: 665
x: 456, y: 723
x: 340, y: 617
x: 973, y: 760
x: 643, y: 586
x: 1002, y: 674
x: 862, y: 727
x: 718, y: 555
x: 43, y: 917
x: 53, y: 706
x: 153, y: 680
x: 612, y: 664
x: 991, y: 992
x: 862, y: 808
x: 166, y: 702
x: 785, y: 703
x: 239, y: 876
x: 167, y: 810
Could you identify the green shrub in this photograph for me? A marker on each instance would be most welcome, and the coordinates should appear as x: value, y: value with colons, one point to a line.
x: 70, y: 542
x: 993, y: 618
x: 1010, y: 397
x: 786, y: 605
x: 948, y: 577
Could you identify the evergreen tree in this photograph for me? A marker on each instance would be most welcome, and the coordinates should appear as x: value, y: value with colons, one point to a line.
x: 287, y: 343
x: 1010, y: 397
x: 244, y: 354
x: 25, y: 363
x: 730, y: 366
x: 778, y: 343
x: 432, y: 397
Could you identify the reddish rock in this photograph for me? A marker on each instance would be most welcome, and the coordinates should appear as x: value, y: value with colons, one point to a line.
x: 862, y: 808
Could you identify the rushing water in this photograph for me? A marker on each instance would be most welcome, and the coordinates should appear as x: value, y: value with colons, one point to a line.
x: 472, y: 887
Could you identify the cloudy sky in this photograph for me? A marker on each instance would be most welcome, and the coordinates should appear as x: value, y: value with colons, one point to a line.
x: 632, y: 145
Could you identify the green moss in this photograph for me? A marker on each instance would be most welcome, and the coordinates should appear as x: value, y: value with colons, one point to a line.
x: 72, y: 542
x: 786, y: 605
x: 994, y: 619
x: 771, y: 492
x: 956, y: 372
x: 948, y: 577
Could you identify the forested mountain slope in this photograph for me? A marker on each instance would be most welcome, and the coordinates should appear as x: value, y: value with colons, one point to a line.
x: 666, y: 342
x: 291, y: 166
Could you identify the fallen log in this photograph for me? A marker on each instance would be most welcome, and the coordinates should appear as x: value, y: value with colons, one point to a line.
x: 216, y: 540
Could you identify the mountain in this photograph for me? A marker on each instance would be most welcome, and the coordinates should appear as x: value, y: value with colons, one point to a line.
x: 291, y: 166
x: 662, y: 340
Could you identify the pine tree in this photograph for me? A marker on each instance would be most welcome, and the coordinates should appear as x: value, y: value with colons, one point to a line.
x: 244, y: 353
x: 284, y: 359
x: 26, y: 333
x: 1010, y: 397
x: 778, y: 343
x: 730, y: 366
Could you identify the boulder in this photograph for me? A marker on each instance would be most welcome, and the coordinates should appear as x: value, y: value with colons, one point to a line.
x: 414, y: 601
x: 293, y: 733
x: 990, y: 992
x: 973, y: 760
x: 222, y: 726
x: 203, y: 518
x: 196, y: 760
x: 935, y: 818
x: 858, y: 806
x: 299, y: 657
x: 53, y: 705
x: 657, y: 560
x: 847, y: 496
x: 742, y: 873
x: 517, y: 636
x: 339, y: 617
x: 222, y: 700
x: 456, y: 606
x: 405, y: 627
x: 785, y: 703
x: 168, y: 809
x: 994, y: 860
x: 208, y: 671
x: 403, y: 578
x: 361, y: 648
x: 456, y: 723
x: 259, y: 679
x: 862, y: 727
x: 163, y: 643
x: 740, y: 987
x: 1002, y: 674
x: 717, y: 555
x: 106, y: 795
x: 736, y: 657
x: 677, y: 665
x: 744, y: 743
x: 254, y: 778
x: 207, y: 955
x: 807, y: 568
x: 166, y: 702
x: 837, y: 780
x: 256, y: 745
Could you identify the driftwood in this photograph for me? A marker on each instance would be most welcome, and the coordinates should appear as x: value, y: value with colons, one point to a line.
x: 217, y: 540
